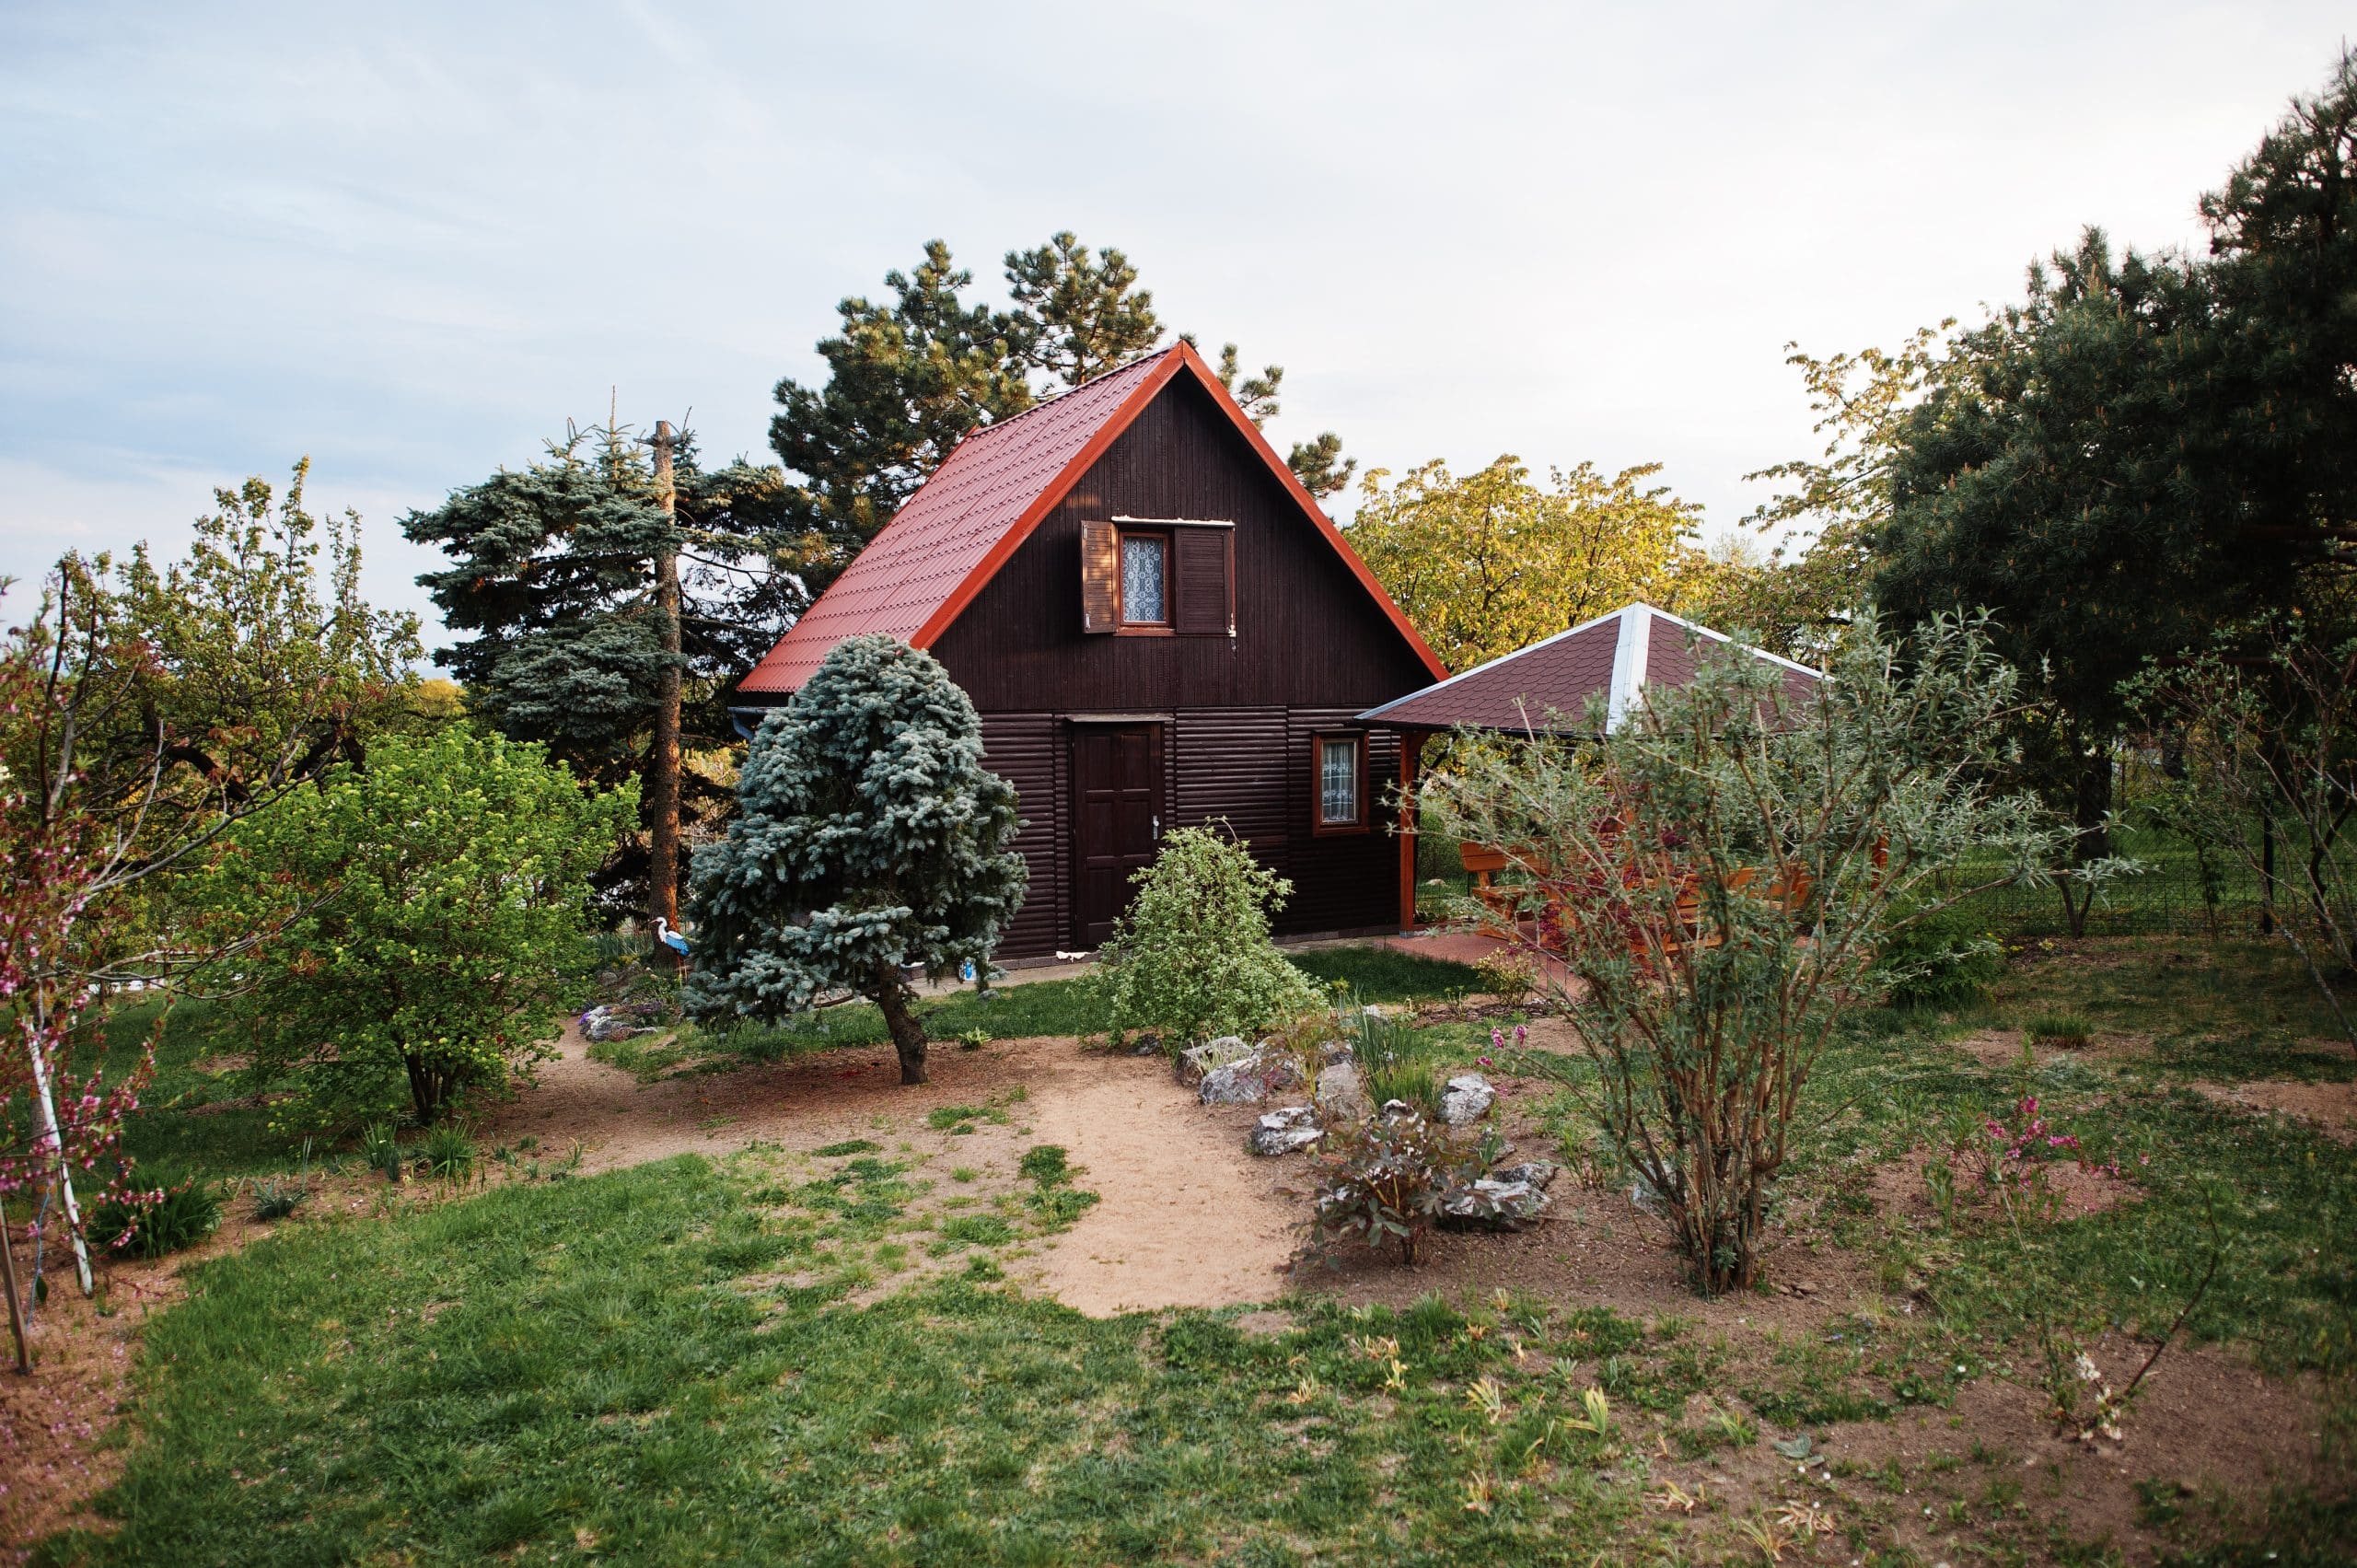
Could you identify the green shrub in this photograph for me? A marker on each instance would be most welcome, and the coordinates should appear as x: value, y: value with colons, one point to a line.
x: 185, y: 1214
x: 1191, y: 958
x: 1939, y: 963
x: 444, y: 891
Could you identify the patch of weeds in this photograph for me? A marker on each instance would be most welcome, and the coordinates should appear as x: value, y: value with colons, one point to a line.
x: 447, y: 1153
x: 964, y: 1173
x: 959, y: 1120
x: 977, y: 1230
x: 2070, y: 1031
x: 1589, y: 1332
x: 278, y: 1198
x: 848, y: 1147
x: 1049, y: 1169
x: 1046, y: 1164
x: 380, y: 1150
x: 1059, y: 1206
x: 1815, y: 1406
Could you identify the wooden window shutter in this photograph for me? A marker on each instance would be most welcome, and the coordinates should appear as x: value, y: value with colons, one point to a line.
x: 1100, y: 577
x: 1199, y: 571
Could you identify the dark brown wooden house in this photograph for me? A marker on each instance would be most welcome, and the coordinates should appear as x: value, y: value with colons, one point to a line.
x: 1159, y: 627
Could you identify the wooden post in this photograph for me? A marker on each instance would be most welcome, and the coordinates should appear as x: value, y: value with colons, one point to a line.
x: 1412, y: 749
x: 663, y: 768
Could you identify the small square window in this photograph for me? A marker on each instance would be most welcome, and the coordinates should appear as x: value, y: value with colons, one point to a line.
x: 1145, y: 580
x: 1341, y: 781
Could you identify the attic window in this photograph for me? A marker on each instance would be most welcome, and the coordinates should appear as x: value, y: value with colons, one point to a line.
x: 1158, y: 577
x: 1145, y: 579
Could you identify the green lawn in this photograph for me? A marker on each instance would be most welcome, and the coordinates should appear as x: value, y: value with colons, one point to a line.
x: 456, y: 1385
x: 1010, y: 1012
x: 818, y: 1358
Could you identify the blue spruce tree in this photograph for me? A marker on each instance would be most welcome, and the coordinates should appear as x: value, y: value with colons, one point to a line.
x: 868, y: 838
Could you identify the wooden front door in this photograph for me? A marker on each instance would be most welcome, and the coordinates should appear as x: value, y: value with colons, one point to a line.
x: 1118, y: 811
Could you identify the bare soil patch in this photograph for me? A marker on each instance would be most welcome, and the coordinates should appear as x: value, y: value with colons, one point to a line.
x: 2332, y: 1108
x: 1183, y: 1220
x: 2206, y: 1423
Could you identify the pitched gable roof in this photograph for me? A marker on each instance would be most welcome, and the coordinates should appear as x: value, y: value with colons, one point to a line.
x: 944, y: 545
x: 1618, y: 654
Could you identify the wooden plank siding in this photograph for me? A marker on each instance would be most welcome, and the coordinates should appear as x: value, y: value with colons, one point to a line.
x: 1028, y: 749
x: 1310, y: 650
x: 1307, y: 634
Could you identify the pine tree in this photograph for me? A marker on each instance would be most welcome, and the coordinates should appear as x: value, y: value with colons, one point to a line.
x: 555, y: 574
x: 906, y: 381
x: 1076, y: 318
x: 909, y: 377
x: 2147, y: 448
x: 869, y: 837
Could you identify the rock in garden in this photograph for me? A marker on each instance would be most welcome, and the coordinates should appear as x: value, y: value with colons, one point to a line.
x: 1248, y: 1082
x: 1341, y: 1096
x: 1467, y: 1100
x: 1535, y: 1173
x: 1282, y: 1132
x: 1492, y: 1204
x: 609, y: 1024
x: 1191, y: 1063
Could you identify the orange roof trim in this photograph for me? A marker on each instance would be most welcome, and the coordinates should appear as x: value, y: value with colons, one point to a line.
x: 943, y: 548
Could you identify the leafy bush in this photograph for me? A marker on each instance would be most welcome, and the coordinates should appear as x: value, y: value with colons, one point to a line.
x: 1192, y: 957
x: 1938, y: 962
x: 165, y: 1218
x: 1721, y: 873
x: 1507, y: 975
x: 444, y: 892
x: 1383, y: 1182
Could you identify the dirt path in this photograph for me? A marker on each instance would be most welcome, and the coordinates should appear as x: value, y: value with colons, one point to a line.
x: 1186, y: 1217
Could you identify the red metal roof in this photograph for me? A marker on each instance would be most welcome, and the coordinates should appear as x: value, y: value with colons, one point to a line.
x: 939, y: 549
x: 1616, y: 655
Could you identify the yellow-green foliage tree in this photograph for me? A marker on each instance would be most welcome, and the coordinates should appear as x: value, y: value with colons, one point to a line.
x: 1491, y: 561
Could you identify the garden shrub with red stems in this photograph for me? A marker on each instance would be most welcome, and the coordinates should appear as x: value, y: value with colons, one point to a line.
x: 1720, y: 872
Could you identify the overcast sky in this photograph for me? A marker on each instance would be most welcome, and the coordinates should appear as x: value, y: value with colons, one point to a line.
x: 412, y: 240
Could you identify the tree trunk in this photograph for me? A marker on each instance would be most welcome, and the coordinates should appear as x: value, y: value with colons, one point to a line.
x: 45, y: 1118
x: 896, y: 1001
x: 16, y: 1299
x: 2093, y: 804
x: 663, y: 768
x: 2091, y: 812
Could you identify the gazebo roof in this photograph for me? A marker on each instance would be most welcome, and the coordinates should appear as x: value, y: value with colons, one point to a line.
x: 1618, y: 655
